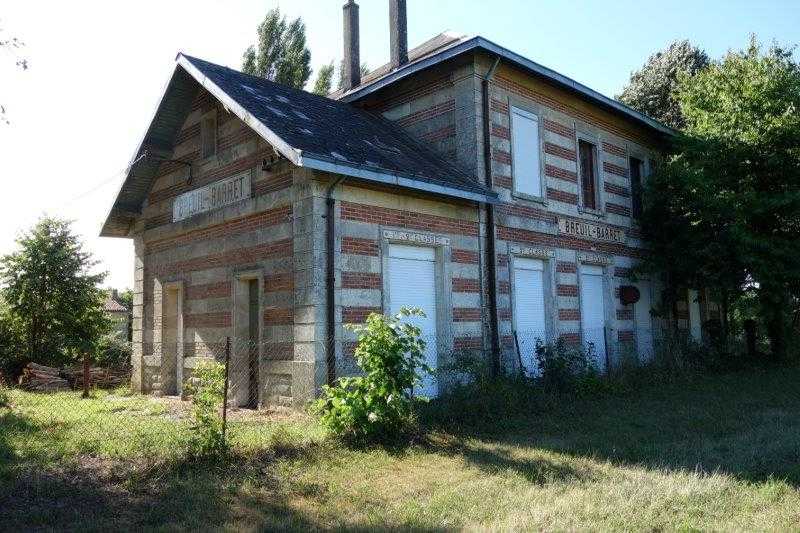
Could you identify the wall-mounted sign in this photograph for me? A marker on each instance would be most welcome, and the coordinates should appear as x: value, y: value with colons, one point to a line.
x: 213, y: 196
x: 419, y: 238
x: 529, y: 251
x: 586, y: 230
x: 596, y: 259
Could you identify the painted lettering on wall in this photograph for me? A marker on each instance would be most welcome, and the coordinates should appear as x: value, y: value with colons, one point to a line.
x: 596, y: 259
x: 212, y: 196
x: 585, y: 230
x: 420, y: 238
x: 528, y: 251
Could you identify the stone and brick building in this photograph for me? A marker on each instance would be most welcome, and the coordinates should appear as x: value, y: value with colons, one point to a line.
x: 493, y: 192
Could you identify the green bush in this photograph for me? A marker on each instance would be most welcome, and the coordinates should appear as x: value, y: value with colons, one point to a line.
x: 5, y: 398
x: 377, y: 406
x: 207, y: 389
x: 113, y: 351
x: 564, y: 367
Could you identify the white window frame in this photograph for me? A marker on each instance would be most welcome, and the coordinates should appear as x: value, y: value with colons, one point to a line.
x: 517, y: 109
x: 599, y: 197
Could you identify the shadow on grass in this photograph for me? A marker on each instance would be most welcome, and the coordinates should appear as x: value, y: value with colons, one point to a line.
x: 744, y: 424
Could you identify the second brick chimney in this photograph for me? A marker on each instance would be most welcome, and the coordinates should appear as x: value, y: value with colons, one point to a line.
x: 398, y: 33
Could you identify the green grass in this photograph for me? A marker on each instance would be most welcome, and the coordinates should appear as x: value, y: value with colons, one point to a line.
x: 711, y: 453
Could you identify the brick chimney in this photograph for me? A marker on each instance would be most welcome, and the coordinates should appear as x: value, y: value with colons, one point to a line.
x: 351, y: 70
x: 398, y: 33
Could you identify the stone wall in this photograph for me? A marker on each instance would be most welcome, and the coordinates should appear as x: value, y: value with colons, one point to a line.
x: 205, y: 256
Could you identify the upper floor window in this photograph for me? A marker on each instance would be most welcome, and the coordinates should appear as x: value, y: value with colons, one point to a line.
x: 208, y: 135
x: 636, y: 167
x: 525, y: 152
x: 587, y: 154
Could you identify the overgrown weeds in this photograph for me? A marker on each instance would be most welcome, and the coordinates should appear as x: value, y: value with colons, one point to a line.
x: 207, y: 389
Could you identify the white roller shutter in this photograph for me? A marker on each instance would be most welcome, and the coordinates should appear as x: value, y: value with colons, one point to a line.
x: 412, y: 283
x: 529, y: 313
x: 593, y: 312
x: 525, y: 152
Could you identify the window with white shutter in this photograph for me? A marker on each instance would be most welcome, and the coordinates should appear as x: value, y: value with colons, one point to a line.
x: 525, y: 152
x: 529, y: 308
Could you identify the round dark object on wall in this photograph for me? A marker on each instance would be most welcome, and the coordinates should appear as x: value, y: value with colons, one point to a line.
x: 628, y: 294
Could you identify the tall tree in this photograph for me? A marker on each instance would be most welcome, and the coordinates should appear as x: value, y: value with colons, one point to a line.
x: 52, y: 295
x: 280, y: 54
x: 324, y: 81
x: 727, y: 204
x: 651, y: 89
x: 11, y: 44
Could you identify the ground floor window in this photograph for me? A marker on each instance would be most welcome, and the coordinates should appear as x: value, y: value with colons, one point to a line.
x: 412, y: 283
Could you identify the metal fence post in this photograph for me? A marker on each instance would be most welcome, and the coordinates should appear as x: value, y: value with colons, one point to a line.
x: 225, y: 394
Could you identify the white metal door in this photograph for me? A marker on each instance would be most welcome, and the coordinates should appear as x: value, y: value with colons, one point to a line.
x: 593, y: 312
x: 695, y: 326
x: 529, y: 314
x: 412, y: 283
x: 643, y: 322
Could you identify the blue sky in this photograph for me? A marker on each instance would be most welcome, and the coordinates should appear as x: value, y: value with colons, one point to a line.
x: 98, y: 69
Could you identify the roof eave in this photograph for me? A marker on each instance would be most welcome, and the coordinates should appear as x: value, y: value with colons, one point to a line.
x: 378, y: 176
x: 482, y: 43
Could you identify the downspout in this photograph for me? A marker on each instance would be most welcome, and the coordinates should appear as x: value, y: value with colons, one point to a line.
x: 491, y: 257
x: 330, y: 280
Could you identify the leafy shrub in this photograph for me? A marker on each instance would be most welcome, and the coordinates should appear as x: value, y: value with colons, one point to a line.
x: 113, y: 351
x: 207, y: 389
x: 11, y: 354
x: 564, y: 367
x: 377, y: 406
x: 5, y: 398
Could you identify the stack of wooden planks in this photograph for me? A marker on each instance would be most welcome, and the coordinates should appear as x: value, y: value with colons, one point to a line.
x: 40, y: 378
x: 104, y: 378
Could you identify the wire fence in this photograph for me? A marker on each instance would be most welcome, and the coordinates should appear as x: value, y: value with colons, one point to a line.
x: 147, y: 405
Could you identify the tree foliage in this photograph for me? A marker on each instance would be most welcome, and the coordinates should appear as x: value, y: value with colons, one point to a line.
x: 13, y: 45
x: 651, y: 89
x: 324, y: 81
x: 280, y: 54
x: 724, y: 211
x: 53, y: 299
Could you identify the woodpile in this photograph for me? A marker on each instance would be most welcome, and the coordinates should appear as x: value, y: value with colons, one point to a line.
x: 103, y: 378
x: 40, y: 378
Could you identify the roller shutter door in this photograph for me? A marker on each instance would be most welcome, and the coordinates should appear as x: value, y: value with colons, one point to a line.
x: 412, y: 283
x: 529, y: 313
x: 593, y: 312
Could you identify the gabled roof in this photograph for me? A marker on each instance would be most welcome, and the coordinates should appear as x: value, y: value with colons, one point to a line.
x: 309, y: 130
x: 450, y: 46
